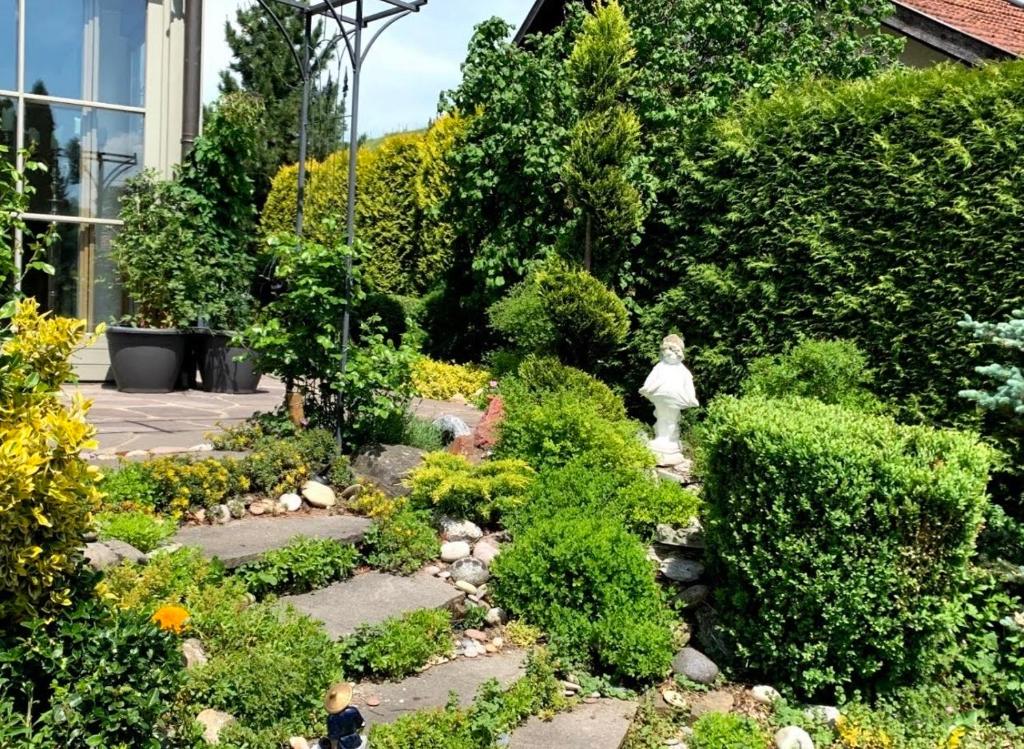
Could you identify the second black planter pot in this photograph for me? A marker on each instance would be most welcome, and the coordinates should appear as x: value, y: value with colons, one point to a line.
x: 218, y: 368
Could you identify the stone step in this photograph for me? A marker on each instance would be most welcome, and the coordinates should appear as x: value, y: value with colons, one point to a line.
x: 371, y: 598
x: 430, y: 689
x: 245, y: 540
x: 599, y: 725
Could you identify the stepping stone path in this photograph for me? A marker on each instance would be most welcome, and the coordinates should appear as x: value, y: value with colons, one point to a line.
x: 371, y: 598
x: 245, y: 540
x: 598, y: 725
x: 430, y: 689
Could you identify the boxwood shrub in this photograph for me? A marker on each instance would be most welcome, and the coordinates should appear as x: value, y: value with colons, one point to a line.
x: 842, y: 539
x: 588, y: 583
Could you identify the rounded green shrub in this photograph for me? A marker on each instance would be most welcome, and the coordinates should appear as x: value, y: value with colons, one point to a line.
x: 841, y: 539
x: 451, y: 485
x: 398, y: 646
x: 539, y: 377
x: 562, y: 312
x: 551, y: 433
x: 833, y: 372
x: 588, y: 583
x: 632, y: 496
x: 304, y: 564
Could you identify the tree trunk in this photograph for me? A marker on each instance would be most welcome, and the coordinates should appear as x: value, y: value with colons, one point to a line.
x: 587, y: 256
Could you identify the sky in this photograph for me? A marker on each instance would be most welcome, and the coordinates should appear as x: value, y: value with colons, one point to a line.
x: 410, y: 65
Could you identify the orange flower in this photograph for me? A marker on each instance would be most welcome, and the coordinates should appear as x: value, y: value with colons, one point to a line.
x: 171, y: 618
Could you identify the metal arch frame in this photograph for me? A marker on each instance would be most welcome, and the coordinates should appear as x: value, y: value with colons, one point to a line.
x: 350, y: 29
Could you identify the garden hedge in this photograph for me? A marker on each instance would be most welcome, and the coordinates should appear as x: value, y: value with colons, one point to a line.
x: 842, y: 540
x: 878, y: 211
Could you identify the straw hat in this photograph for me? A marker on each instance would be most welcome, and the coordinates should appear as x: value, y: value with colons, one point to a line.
x: 338, y: 697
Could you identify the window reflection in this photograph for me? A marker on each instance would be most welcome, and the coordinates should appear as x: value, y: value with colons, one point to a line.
x: 90, y: 153
x: 86, y: 49
x: 8, y: 44
x: 9, y: 127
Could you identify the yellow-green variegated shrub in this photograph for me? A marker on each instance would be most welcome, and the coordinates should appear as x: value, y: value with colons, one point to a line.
x: 47, y: 492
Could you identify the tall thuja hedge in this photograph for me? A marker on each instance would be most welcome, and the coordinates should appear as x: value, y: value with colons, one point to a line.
x: 877, y: 211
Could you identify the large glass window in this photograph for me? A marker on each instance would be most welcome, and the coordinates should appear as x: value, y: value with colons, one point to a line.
x: 9, y: 44
x: 9, y: 127
x: 86, y: 49
x: 90, y: 153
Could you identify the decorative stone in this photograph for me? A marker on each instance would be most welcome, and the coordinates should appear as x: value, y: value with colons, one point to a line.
x: 372, y: 701
x: 694, y: 595
x: 90, y: 536
x: 716, y: 701
x: 319, y: 495
x: 237, y: 508
x: 673, y: 698
x: 298, y: 742
x: 452, y: 551
x: 213, y: 722
x: 824, y: 713
x: 498, y: 642
x: 444, y: 575
x: 289, y: 502
x: 453, y: 529
x: 387, y: 466
x: 495, y: 616
x: 695, y: 666
x: 476, y: 634
x: 471, y: 570
x: 432, y: 570
x: 681, y: 570
x: 257, y: 508
x: 764, y: 694
x: 793, y: 737
x: 352, y: 492
x: 491, y: 648
x: 571, y: 686
x: 220, y: 514
x: 198, y: 515
x: 195, y: 655
x: 690, y: 537
x: 465, y: 587
x: 486, y: 549
x: 100, y: 556
x: 451, y: 427
x: 161, y: 550
x: 669, y: 387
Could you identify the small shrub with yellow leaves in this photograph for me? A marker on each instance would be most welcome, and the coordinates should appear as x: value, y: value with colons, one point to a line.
x: 441, y: 381
x: 373, y: 503
x: 451, y: 485
x: 47, y: 492
x: 184, y: 483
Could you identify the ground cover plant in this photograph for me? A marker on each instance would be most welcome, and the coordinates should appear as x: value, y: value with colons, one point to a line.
x: 304, y: 564
x: 914, y: 495
x: 441, y: 380
x: 142, y: 530
x: 400, y: 540
x: 397, y: 647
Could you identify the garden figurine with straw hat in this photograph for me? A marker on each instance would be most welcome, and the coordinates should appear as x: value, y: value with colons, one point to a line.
x: 343, y: 720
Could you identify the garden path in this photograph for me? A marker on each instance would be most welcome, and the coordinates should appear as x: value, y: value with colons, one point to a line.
x: 599, y: 725
x: 245, y: 540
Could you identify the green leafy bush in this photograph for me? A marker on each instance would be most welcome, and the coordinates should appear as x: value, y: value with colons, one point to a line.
x: 832, y: 372
x: 401, y: 542
x: 130, y: 487
x: 397, y: 647
x: 142, y: 530
x: 540, y: 377
x: 636, y: 498
x: 562, y: 312
x: 588, y: 583
x: 63, y: 675
x: 887, y: 257
x: 183, y: 482
x: 304, y: 564
x: 562, y: 427
x: 727, y: 731
x: 810, y: 503
x: 451, y: 485
x: 268, y: 666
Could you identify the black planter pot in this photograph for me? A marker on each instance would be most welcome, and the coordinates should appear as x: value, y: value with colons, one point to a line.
x: 146, y: 360
x: 218, y: 369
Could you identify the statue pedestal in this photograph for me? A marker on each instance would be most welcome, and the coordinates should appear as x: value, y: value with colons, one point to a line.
x: 667, y: 454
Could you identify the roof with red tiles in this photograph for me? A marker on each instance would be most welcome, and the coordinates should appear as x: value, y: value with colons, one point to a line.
x: 997, y: 22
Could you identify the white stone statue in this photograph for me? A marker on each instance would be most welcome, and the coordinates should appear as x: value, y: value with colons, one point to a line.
x: 669, y: 387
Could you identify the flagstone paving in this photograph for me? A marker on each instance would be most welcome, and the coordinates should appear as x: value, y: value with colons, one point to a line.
x: 599, y: 725
x: 244, y: 540
x: 372, y: 597
x: 430, y: 689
